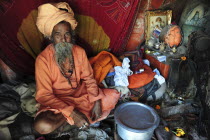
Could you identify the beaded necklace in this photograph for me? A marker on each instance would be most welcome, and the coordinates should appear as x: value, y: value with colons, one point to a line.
x: 70, y: 71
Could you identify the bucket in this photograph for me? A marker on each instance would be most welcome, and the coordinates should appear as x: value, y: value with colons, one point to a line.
x: 136, y: 121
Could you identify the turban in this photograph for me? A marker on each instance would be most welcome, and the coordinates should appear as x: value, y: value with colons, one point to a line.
x: 50, y: 14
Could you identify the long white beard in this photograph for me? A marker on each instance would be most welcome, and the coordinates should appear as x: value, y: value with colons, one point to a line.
x: 63, y: 51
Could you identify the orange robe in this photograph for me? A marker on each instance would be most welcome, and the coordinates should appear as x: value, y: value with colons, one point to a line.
x: 56, y: 94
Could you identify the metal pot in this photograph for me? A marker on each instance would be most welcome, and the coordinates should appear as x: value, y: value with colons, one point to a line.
x: 136, y: 121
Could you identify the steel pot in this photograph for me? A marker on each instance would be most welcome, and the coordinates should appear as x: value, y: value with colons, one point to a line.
x: 136, y: 121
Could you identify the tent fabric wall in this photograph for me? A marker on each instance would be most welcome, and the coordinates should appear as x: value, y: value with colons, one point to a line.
x: 12, y: 13
x: 116, y: 18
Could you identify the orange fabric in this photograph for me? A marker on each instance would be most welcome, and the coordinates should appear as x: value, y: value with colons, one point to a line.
x: 55, y: 93
x: 102, y: 63
x: 49, y: 15
x: 141, y: 79
x: 163, y: 68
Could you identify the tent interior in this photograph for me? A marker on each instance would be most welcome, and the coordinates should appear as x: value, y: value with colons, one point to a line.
x: 125, y: 29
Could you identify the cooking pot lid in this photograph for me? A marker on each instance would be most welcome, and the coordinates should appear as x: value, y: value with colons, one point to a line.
x: 136, y: 117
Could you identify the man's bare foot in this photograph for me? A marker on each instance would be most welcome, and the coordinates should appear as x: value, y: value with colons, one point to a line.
x: 80, y: 120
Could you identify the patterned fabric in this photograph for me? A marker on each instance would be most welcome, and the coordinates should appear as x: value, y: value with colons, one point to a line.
x: 5, y: 5
x: 114, y: 16
x: 10, y: 51
x: 114, y: 20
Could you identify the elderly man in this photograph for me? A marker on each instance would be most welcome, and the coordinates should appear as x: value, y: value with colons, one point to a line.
x: 66, y: 88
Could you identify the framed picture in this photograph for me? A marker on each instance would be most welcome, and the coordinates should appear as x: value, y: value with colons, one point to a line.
x: 156, y: 20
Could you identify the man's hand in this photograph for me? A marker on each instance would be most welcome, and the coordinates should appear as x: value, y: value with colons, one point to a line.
x: 96, y: 111
x: 80, y: 119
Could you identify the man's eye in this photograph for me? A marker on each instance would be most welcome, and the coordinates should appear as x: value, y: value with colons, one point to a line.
x: 57, y: 34
x: 68, y: 34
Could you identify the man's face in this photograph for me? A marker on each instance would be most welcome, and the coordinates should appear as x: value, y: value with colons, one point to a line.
x: 61, y: 33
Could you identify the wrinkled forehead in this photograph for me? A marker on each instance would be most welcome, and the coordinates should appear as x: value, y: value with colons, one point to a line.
x: 62, y: 26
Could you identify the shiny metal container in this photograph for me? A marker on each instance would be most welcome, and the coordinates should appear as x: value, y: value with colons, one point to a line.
x: 136, y: 121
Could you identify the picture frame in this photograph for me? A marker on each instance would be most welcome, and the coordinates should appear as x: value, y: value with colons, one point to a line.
x: 156, y: 20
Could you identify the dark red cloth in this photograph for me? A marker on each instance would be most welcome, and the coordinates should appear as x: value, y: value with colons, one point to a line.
x: 115, y: 16
x: 12, y: 12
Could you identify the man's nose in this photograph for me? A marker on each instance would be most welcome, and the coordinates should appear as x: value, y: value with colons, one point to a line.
x: 63, y: 39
